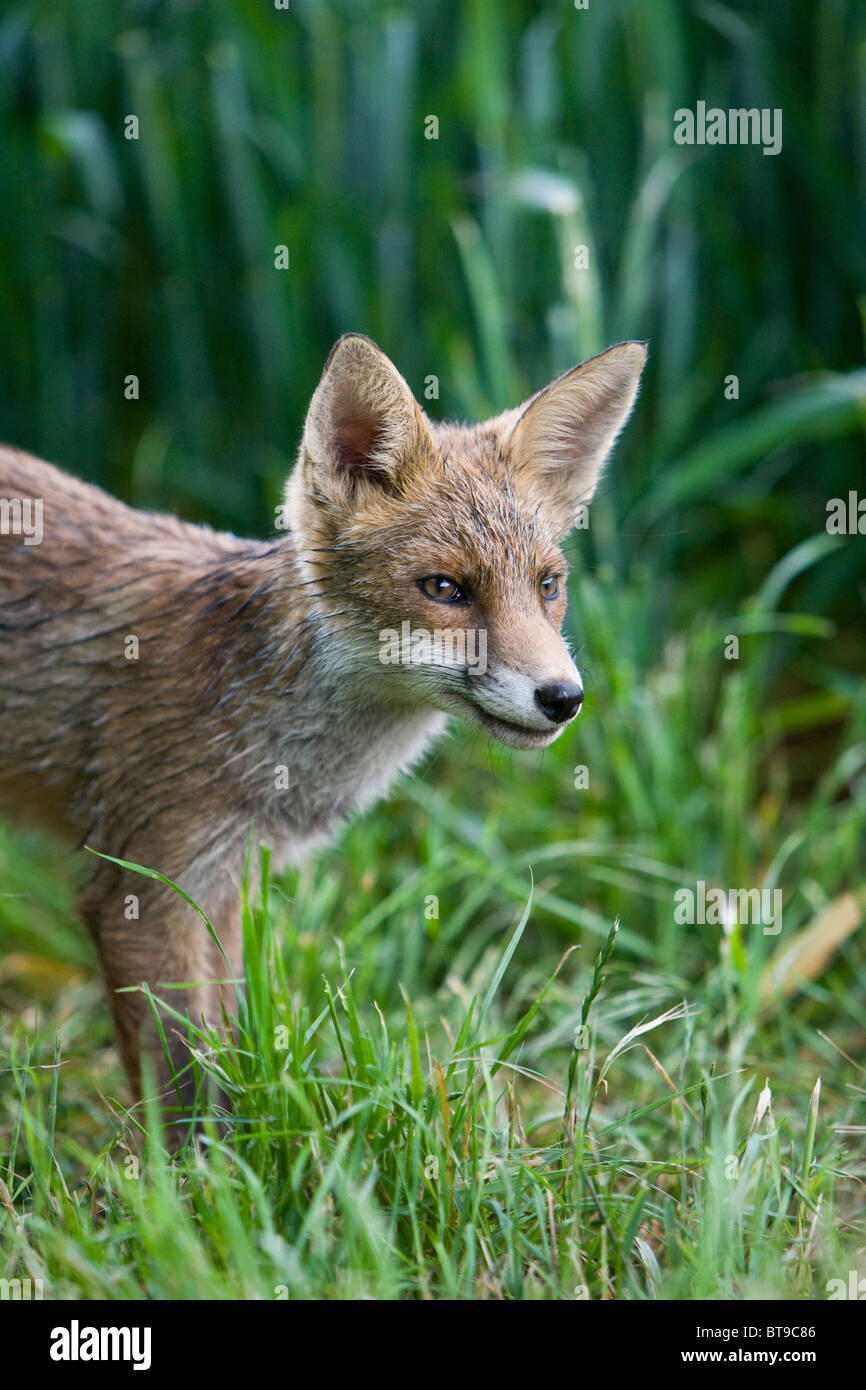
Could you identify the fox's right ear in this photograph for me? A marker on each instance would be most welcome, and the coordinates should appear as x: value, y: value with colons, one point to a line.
x: 363, y: 424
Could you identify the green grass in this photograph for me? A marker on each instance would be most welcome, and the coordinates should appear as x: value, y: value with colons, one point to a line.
x: 451, y: 1078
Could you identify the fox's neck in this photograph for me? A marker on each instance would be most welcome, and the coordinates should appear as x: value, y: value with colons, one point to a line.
x: 167, y: 686
x: 322, y: 739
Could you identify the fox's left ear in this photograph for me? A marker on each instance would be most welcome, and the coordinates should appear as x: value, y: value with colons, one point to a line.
x: 559, y: 440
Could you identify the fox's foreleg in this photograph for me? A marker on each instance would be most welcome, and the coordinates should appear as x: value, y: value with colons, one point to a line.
x: 145, y: 933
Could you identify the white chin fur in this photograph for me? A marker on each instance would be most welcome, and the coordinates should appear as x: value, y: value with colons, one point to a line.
x: 505, y: 705
x: 517, y: 736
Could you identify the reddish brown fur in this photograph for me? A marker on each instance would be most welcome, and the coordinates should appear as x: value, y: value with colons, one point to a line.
x: 260, y: 655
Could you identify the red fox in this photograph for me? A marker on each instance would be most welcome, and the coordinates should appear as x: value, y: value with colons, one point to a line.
x: 164, y: 687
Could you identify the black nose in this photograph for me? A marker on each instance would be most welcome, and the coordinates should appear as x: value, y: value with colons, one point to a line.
x: 559, y: 702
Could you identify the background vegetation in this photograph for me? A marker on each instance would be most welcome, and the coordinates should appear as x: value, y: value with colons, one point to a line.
x: 403, y: 1140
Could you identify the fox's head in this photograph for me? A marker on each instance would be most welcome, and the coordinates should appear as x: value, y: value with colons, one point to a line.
x: 434, y: 549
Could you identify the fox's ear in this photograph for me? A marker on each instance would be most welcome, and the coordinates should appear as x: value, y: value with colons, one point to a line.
x: 363, y: 421
x: 561, y: 437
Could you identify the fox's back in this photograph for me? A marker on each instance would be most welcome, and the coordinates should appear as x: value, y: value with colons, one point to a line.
x: 86, y: 583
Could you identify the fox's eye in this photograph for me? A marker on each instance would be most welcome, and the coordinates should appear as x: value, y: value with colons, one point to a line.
x: 550, y: 587
x: 441, y: 589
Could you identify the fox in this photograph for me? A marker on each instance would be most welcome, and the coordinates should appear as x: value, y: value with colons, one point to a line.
x: 168, y: 691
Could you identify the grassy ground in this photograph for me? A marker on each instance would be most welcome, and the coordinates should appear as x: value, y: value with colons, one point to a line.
x: 452, y: 1077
